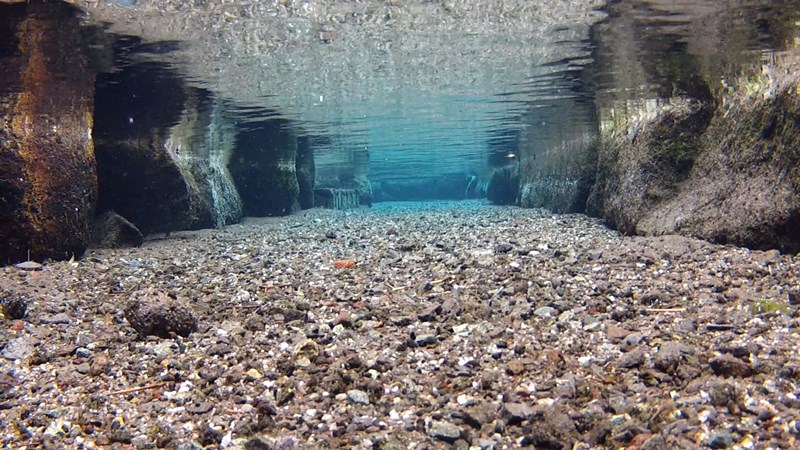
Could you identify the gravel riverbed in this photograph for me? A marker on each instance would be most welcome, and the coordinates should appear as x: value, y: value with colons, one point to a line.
x: 406, y: 326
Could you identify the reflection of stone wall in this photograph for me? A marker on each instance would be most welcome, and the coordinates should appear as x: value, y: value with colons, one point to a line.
x: 48, y: 183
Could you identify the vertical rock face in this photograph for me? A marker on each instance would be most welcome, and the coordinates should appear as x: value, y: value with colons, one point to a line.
x: 48, y: 183
x: 162, y: 151
x: 699, y: 136
x: 264, y: 169
x: 645, y: 166
x: 744, y: 187
x: 558, y: 159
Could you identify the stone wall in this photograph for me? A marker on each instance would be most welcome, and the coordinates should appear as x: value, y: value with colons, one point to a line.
x: 48, y: 183
x: 264, y: 169
x: 162, y: 152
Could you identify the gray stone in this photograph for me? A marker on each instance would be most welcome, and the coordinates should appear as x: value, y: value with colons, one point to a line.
x: 545, y: 311
x: 442, y: 430
x: 19, y: 348
x: 631, y: 359
x: 426, y: 339
x: 60, y: 318
x: 670, y: 355
x: 358, y: 396
x: 29, y: 265
x: 517, y: 412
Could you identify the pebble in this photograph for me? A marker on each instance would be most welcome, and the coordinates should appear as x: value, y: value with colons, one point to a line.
x: 29, y: 266
x: 19, y: 348
x: 443, y: 430
x: 358, y: 396
x: 432, y: 348
x: 545, y: 312
x: 631, y: 359
x: 426, y: 339
x: 729, y: 366
x: 720, y: 439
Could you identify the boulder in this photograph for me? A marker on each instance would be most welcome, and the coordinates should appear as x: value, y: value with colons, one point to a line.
x: 111, y: 230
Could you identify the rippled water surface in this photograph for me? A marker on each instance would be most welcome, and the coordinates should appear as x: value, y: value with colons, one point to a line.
x: 420, y: 89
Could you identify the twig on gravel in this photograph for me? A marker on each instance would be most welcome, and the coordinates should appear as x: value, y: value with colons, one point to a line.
x: 665, y: 310
x: 137, y: 389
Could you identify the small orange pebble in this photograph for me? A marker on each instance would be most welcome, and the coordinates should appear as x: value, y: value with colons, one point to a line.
x: 344, y: 264
x: 17, y: 325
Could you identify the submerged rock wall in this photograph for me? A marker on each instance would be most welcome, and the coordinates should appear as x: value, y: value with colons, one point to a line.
x: 163, y: 169
x: 48, y: 183
x: 264, y: 169
x: 725, y: 170
x: 557, y: 158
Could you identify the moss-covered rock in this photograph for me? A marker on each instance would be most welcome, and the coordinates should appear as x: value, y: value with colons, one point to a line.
x: 644, y: 166
x: 727, y: 171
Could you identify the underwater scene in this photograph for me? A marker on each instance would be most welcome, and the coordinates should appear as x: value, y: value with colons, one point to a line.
x: 399, y: 224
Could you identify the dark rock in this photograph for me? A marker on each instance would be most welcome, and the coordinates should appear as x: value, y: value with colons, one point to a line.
x: 429, y: 314
x: 721, y: 393
x: 160, y: 316
x: 220, y: 349
x: 13, y: 306
x: 631, y: 359
x: 209, y: 436
x: 479, y: 415
x: 670, y: 355
x: 721, y: 439
x: 47, y: 166
x: 730, y: 366
x: 655, y: 442
x: 503, y: 248
x: 110, y: 230
x: 199, y: 407
x: 257, y: 443
x: 120, y: 435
